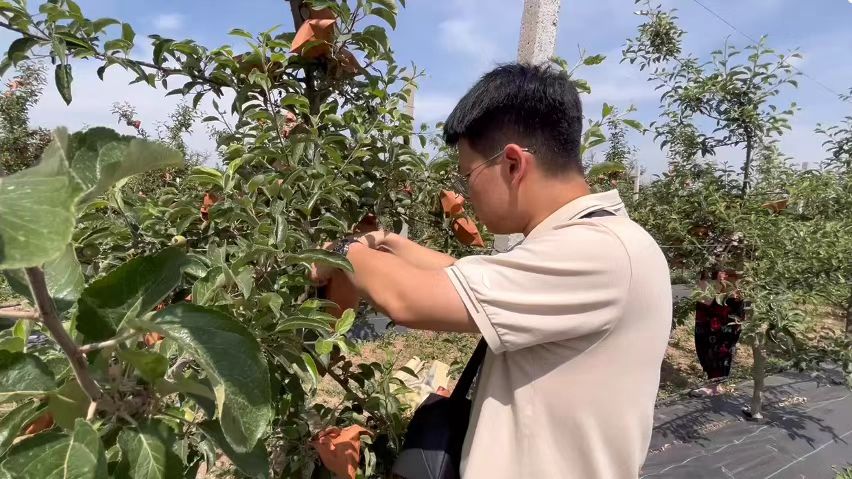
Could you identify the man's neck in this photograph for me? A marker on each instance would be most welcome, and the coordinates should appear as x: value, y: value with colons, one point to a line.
x: 553, y: 196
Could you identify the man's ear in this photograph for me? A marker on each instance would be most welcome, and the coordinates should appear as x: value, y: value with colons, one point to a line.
x: 518, y: 162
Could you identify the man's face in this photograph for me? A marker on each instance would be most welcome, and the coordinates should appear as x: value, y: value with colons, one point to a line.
x: 489, y: 188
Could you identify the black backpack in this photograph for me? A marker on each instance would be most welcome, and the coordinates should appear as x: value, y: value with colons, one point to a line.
x: 433, y: 442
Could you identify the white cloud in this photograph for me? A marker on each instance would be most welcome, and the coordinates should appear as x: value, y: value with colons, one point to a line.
x: 461, y: 36
x: 431, y: 108
x: 93, y: 100
x: 168, y: 21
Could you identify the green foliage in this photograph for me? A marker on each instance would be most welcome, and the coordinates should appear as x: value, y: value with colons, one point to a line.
x: 309, y: 147
x: 128, y: 292
x: 186, y: 288
x: 20, y: 145
x: 229, y: 355
x: 54, y: 455
x: 784, y: 231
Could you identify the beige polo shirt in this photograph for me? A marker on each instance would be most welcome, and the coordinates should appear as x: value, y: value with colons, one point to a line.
x: 577, y: 318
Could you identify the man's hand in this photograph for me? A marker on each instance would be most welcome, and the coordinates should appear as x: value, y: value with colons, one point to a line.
x: 320, y: 274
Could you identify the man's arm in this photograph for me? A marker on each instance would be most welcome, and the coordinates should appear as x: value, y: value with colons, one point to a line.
x: 411, y: 252
x: 414, y: 297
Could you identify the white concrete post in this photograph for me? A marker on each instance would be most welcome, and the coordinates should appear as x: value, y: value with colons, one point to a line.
x: 538, y: 31
x: 536, y: 46
x: 637, y: 177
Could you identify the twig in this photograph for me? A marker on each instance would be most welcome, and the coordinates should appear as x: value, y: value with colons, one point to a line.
x: 86, y: 348
x: 179, y: 366
x: 339, y: 380
x: 93, y: 409
x: 19, y: 314
x: 50, y: 318
x: 10, y: 305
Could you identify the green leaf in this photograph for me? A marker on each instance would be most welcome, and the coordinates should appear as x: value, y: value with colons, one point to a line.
x: 389, y: 4
x: 14, y: 420
x: 60, y: 49
x: 19, y: 49
x: 606, y: 168
x: 606, y: 110
x: 52, y: 455
x: 254, y: 463
x: 323, y: 346
x: 64, y: 278
x: 23, y: 376
x: 205, y: 175
x: 159, y: 49
x: 127, y: 33
x: 150, y: 365
x: 239, y: 32
x: 120, y: 45
x: 101, y: 23
x: 142, y: 283
x: 63, y: 77
x: 206, y: 290
x: 233, y: 361
x: 594, y: 60
x: 245, y: 281
x: 582, y: 86
x: 5, y: 64
x: 311, y: 367
x: 303, y: 322
x: 344, y: 324
x: 36, y: 209
x: 299, y: 101
x: 385, y: 15
x: 321, y: 257
x: 147, y: 452
x: 13, y: 344
x: 636, y: 125
x: 68, y: 403
x: 119, y: 160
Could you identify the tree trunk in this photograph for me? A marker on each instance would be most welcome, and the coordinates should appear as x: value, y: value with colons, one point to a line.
x: 747, y: 165
x: 296, y: 10
x: 300, y: 13
x: 758, y: 374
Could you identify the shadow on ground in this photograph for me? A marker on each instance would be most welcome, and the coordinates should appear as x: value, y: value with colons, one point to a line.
x: 807, y: 430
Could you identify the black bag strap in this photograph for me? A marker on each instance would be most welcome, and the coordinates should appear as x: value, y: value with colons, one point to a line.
x: 470, y: 371
x: 475, y: 361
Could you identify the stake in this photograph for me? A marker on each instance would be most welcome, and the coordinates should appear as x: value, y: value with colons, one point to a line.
x: 758, y: 372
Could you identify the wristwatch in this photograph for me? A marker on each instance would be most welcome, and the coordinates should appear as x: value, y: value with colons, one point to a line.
x: 342, y: 246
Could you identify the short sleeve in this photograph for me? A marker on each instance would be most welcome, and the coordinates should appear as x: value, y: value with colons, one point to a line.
x: 566, y: 284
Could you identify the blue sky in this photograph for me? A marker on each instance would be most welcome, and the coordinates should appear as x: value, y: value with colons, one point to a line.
x: 455, y: 41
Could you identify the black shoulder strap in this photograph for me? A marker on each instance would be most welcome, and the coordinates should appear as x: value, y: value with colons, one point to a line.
x: 475, y: 361
x: 597, y: 214
x: 470, y: 371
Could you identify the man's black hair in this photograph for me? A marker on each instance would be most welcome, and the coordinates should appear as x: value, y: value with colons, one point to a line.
x: 535, y: 107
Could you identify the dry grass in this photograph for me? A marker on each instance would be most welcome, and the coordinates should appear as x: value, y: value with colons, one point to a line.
x: 451, y: 348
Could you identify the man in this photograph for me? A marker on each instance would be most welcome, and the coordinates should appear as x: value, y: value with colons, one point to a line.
x: 576, y: 317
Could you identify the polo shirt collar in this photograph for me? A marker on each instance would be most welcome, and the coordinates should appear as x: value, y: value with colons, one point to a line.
x: 608, y: 200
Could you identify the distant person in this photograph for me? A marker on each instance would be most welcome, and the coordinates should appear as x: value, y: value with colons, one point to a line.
x: 717, y: 330
x: 576, y: 317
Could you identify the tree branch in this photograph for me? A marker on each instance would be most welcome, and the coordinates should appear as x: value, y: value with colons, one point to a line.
x: 19, y: 314
x: 13, y: 28
x: 87, y: 348
x: 339, y: 380
x: 51, y: 320
x: 107, y: 57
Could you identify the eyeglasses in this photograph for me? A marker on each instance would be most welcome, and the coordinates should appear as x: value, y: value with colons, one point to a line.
x: 461, y: 182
